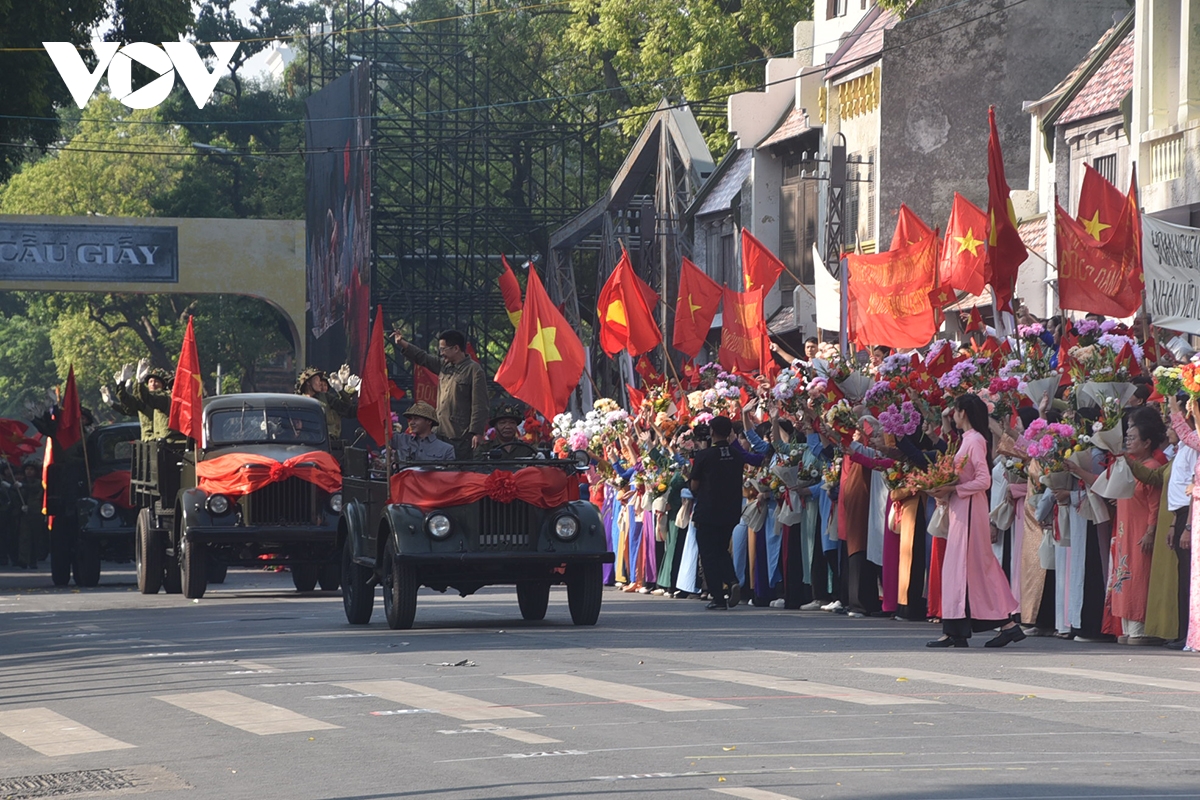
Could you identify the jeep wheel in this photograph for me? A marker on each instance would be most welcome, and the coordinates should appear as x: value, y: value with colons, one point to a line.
x: 87, y: 562
x: 148, y: 554
x: 304, y: 576
x: 331, y: 576
x: 399, y: 590
x: 216, y: 570
x: 533, y: 597
x: 60, y: 559
x: 585, y: 590
x: 358, y: 593
x: 192, y: 568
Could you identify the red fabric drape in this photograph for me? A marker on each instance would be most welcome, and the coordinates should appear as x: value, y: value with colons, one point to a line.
x: 113, y: 487
x: 241, y: 473
x: 543, y: 487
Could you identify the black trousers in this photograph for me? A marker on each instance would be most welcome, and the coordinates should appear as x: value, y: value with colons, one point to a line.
x: 712, y: 540
x: 862, y: 578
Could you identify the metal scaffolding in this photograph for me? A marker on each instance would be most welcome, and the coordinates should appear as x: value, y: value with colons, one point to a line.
x: 470, y: 159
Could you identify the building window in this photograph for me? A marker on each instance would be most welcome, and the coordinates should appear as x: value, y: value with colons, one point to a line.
x: 729, y: 266
x: 851, y: 199
x: 1107, y: 167
x: 835, y: 8
x: 866, y: 173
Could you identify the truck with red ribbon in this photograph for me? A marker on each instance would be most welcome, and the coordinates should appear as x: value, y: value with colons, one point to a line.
x: 464, y: 525
x: 105, y: 515
x: 261, y: 489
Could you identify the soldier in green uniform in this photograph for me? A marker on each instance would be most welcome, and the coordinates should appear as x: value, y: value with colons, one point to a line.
x: 147, y: 396
x: 336, y: 394
x: 507, y: 423
x: 32, y: 534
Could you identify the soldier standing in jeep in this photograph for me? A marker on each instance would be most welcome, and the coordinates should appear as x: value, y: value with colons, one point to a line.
x: 335, y: 394
x: 462, y: 404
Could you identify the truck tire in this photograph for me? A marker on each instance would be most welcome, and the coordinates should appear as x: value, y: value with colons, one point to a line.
x: 399, y: 590
x: 193, y: 570
x: 533, y: 597
x: 331, y: 576
x: 60, y: 559
x: 216, y: 570
x: 304, y: 576
x: 148, y: 554
x: 87, y: 562
x: 358, y: 594
x: 585, y: 590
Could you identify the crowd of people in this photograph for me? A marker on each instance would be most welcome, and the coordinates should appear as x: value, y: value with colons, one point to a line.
x: 1034, y: 484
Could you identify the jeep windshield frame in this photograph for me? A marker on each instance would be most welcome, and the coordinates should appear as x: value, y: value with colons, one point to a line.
x: 280, y: 424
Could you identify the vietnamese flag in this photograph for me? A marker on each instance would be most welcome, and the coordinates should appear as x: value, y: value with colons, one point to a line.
x: 374, y: 394
x: 890, y: 295
x: 760, y: 267
x: 187, y: 412
x: 70, y: 416
x: 1006, y: 252
x: 743, y: 333
x: 699, y: 299
x: 910, y: 229
x: 1101, y: 278
x: 963, y: 264
x: 546, y: 359
x: 636, y: 398
x: 1101, y: 206
x: 510, y: 290
x: 975, y: 322
x: 623, y: 314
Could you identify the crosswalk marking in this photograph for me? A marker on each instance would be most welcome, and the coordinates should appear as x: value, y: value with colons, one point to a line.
x: 237, y: 711
x: 528, y: 737
x: 1003, y: 687
x: 621, y: 693
x: 823, y: 690
x: 750, y: 793
x: 53, y: 734
x: 1121, y: 677
x: 458, y: 706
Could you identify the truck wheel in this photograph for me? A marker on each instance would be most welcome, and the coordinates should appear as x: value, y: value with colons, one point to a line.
x: 585, y: 590
x: 216, y: 570
x: 358, y: 595
x: 399, y: 590
x: 304, y: 576
x: 148, y: 553
x: 60, y: 559
x: 87, y: 562
x: 331, y: 576
x: 192, y: 569
x: 533, y: 597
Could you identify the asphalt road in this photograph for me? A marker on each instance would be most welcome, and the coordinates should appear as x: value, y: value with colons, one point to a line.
x: 258, y: 692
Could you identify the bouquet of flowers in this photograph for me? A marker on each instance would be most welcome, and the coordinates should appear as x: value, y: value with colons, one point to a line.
x: 1035, y: 354
x: 895, y: 478
x: 1050, y: 444
x: 1002, y: 397
x: 881, y: 394
x: 1105, y: 433
x: 942, y: 472
x: 1189, y: 376
x: 1016, y: 470
x: 831, y: 476
x: 966, y: 376
x: 1088, y: 331
x: 1108, y: 361
x: 1168, y: 381
x: 849, y: 377
x: 840, y: 418
x: 902, y: 420
x: 896, y: 365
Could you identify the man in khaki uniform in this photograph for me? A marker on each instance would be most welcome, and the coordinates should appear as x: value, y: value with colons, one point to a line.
x: 462, y: 405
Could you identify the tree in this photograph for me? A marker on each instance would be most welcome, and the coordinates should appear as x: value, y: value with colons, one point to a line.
x: 26, y: 364
x: 149, y: 20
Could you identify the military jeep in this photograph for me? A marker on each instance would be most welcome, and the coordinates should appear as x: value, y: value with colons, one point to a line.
x: 185, y: 532
x: 454, y: 538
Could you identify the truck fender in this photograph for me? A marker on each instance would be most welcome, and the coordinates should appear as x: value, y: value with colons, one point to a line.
x: 354, y: 525
x: 405, y: 525
x: 191, y: 511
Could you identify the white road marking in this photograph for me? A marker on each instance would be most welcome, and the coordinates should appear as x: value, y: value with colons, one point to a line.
x: 53, y: 734
x: 621, y: 693
x: 458, y: 706
x: 1001, y: 687
x: 1121, y: 677
x: 241, y: 712
x: 822, y: 690
x: 750, y: 793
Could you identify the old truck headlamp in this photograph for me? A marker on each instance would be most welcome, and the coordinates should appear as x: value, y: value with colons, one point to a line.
x: 218, y: 504
x: 566, y: 528
x: 107, y: 511
x: 438, y: 526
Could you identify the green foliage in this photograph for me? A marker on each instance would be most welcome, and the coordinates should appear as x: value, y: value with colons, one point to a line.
x: 150, y: 20
x: 26, y: 363
x: 899, y: 6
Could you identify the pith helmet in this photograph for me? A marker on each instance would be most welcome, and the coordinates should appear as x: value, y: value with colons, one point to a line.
x: 309, y: 372
x: 422, y: 409
x: 160, y: 373
x: 512, y: 410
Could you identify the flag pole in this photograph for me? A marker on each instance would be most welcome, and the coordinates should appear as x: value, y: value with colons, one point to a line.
x: 87, y: 467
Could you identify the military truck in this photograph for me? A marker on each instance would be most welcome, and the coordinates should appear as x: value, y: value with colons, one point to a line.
x: 463, y: 525
x: 261, y: 489
x: 106, y: 519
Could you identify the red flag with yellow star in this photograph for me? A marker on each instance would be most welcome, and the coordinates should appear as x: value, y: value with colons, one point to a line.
x: 699, y: 299
x: 510, y: 291
x: 760, y: 267
x: 186, y: 406
x: 744, y: 341
x: 1100, y: 277
x: 624, y: 315
x: 546, y: 359
x: 1100, y: 206
x: 963, y: 264
x: 910, y: 229
x: 1006, y: 252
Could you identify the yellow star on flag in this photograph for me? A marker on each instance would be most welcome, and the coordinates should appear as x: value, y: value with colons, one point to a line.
x: 968, y: 242
x: 1094, y: 226
x: 615, y: 313
x: 692, y: 307
x: 543, y: 342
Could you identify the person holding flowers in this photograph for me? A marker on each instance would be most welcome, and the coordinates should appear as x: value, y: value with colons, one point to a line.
x: 975, y: 591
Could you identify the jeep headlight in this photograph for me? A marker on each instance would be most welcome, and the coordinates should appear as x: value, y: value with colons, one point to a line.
x: 218, y: 504
x: 335, y: 502
x: 438, y: 526
x: 107, y: 511
x: 566, y: 528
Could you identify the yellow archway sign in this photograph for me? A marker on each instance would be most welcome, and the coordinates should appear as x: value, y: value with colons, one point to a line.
x: 150, y: 255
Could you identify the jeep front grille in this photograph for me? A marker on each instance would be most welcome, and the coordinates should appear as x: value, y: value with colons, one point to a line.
x: 287, y: 502
x: 504, y: 526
